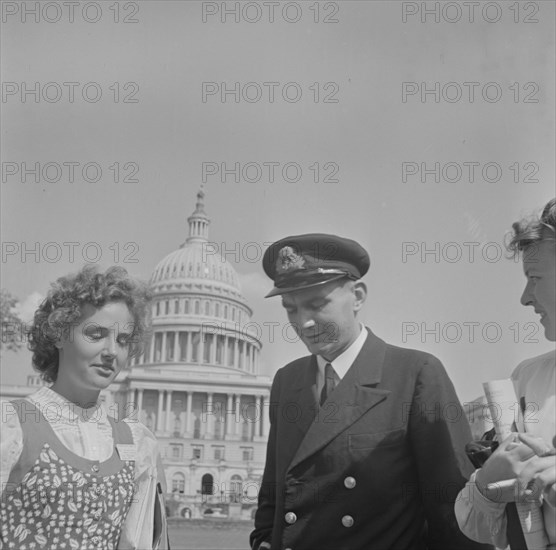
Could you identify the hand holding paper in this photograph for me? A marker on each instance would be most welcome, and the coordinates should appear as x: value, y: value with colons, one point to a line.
x: 515, y: 458
x: 497, y: 478
x: 539, y: 476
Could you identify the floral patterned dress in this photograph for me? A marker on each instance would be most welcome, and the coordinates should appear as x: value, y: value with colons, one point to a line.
x: 57, y: 499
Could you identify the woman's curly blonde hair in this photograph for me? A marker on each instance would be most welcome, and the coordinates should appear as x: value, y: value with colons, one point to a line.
x: 533, y: 230
x: 62, y: 309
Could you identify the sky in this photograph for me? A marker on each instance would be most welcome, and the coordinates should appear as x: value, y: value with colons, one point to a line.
x: 423, y: 136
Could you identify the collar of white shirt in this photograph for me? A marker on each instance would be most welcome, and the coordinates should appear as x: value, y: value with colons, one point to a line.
x: 343, y: 362
x: 58, y: 409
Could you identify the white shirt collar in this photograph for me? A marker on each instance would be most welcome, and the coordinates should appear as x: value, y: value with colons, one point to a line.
x: 343, y: 362
x: 57, y: 408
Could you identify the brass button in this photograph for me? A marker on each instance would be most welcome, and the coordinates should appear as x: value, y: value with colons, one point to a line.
x: 95, y: 468
x: 347, y: 521
x: 350, y: 482
x: 290, y: 518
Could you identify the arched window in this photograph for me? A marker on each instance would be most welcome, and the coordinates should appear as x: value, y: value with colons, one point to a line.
x: 207, y: 350
x: 186, y: 306
x: 219, y: 349
x: 158, y: 347
x: 197, y: 307
x: 207, y: 308
x: 182, y: 346
x: 231, y: 351
x: 225, y: 312
x: 167, y: 308
x: 240, y: 364
x: 207, y: 485
x: 157, y: 308
x: 247, y: 357
x: 170, y: 338
x: 177, y: 306
x: 236, y: 488
x: 178, y: 483
x: 217, y: 309
x: 195, y: 340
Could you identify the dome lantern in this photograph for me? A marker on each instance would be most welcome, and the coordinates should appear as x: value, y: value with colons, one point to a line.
x: 198, y: 221
x: 197, y: 265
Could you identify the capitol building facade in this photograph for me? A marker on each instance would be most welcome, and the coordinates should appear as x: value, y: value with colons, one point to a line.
x: 197, y: 386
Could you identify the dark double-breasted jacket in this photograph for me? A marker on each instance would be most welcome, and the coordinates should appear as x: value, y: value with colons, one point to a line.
x: 377, y: 467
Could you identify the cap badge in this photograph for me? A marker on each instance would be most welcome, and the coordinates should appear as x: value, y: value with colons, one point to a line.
x: 289, y: 260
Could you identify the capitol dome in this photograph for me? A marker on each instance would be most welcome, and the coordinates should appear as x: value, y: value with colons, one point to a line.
x: 200, y: 317
x: 197, y: 263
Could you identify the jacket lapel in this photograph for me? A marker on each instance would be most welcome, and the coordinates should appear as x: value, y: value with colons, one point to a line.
x: 302, y: 405
x: 352, y: 398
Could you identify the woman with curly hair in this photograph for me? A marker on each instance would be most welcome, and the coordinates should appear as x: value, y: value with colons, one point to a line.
x: 71, y: 475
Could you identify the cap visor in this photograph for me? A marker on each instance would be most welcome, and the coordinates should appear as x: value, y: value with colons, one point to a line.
x: 278, y: 291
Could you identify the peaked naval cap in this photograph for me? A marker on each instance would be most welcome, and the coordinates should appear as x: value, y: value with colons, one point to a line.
x: 305, y: 261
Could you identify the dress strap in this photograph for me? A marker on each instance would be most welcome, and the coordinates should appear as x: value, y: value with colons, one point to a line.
x: 36, y: 432
x: 121, y: 431
x: 35, y: 427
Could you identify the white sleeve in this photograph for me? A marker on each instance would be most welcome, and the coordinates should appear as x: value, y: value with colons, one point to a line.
x: 146, y: 447
x: 479, y: 518
x: 138, y: 528
x: 11, y: 443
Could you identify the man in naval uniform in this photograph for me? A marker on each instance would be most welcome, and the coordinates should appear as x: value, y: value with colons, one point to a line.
x: 366, y: 444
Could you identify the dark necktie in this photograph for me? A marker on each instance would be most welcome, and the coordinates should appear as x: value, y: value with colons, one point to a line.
x: 329, y: 383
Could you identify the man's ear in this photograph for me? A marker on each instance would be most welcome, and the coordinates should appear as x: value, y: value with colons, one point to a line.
x: 360, y: 291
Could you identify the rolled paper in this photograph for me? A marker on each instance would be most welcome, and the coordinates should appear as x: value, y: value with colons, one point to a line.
x: 503, y: 406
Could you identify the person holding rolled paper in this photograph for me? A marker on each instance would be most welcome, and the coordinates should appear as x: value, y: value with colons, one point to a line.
x: 522, y: 469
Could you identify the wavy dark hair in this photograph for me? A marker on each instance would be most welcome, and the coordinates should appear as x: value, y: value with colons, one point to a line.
x: 62, y: 309
x: 532, y: 230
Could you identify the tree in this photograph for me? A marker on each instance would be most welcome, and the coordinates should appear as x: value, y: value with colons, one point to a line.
x: 12, y: 325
